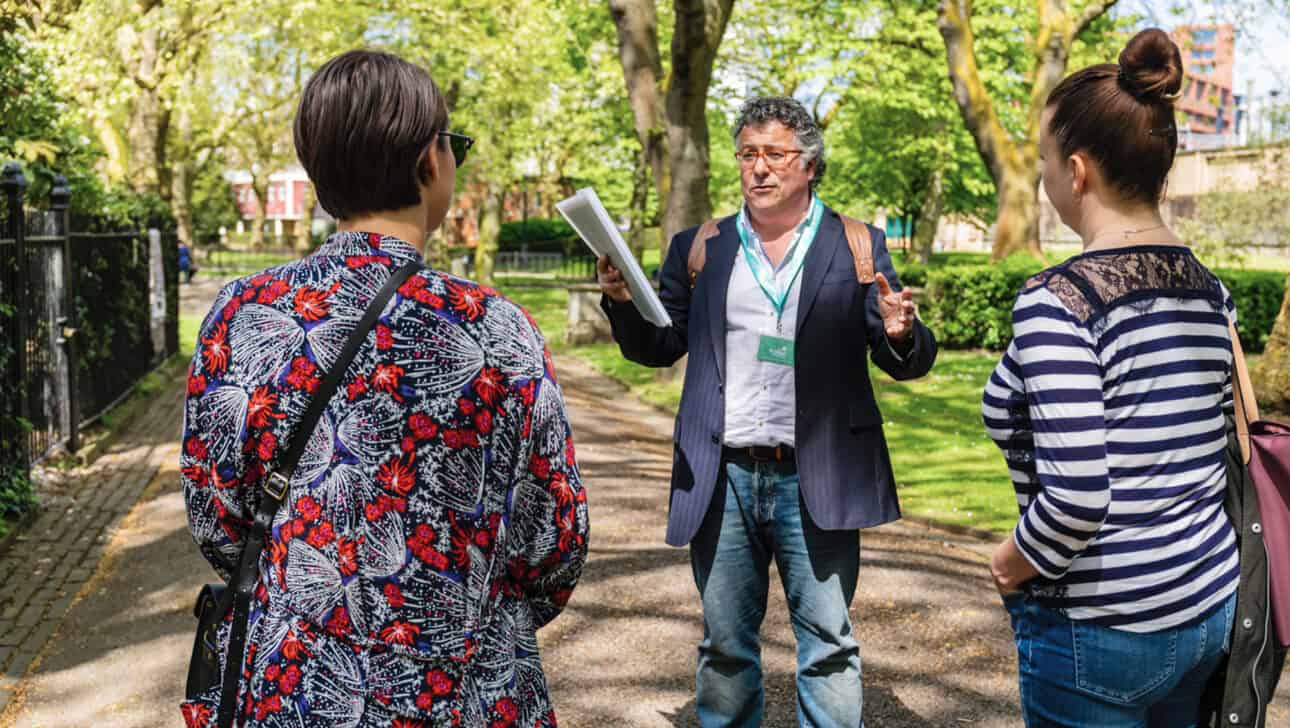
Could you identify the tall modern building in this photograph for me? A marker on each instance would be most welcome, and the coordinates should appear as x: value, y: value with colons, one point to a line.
x: 1210, y: 109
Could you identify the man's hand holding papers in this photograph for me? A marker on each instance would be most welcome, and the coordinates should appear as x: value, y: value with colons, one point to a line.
x: 589, y: 218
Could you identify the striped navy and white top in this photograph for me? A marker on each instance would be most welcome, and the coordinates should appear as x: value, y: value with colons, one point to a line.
x: 1109, y: 407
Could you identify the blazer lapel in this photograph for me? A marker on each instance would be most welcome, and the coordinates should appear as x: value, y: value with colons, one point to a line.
x: 828, y: 240
x: 717, y: 269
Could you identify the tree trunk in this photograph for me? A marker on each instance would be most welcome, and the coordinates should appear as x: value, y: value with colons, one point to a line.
x: 700, y: 24
x: 673, y: 133
x: 117, y: 157
x: 149, y: 120
x: 304, y: 226
x: 639, y: 207
x: 181, y: 182
x: 181, y: 198
x: 490, y: 224
x: 146, y: 136
x: 1017, y: 224
x: 1013, y: 161
x: 638, y: 52
x: 1272, y: 375
x: 929, y: 218
x: 260, y: 188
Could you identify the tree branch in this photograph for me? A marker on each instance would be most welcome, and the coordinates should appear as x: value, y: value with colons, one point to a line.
x: 992, y: 140
x: 1090, y: 14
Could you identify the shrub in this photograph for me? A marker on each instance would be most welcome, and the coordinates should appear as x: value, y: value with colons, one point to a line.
x: 912, y: 275
x: 970, y: 306
x: 538, y: 235
x: 1258, y: 295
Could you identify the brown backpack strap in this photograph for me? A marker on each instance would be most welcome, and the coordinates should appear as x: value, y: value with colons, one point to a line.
x: 699, y: 249
x: 861, y: 244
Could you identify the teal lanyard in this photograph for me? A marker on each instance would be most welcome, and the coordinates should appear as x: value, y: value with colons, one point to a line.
x: 763, y: 272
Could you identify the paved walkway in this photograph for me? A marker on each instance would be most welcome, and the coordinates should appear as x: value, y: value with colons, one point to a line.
x: 110, y: 647
x: 47, y: 566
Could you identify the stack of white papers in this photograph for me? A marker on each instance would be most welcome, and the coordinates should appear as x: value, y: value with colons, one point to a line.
x: 589, y: 218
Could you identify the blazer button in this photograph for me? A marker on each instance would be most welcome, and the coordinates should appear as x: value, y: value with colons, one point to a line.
x: 716, y: 440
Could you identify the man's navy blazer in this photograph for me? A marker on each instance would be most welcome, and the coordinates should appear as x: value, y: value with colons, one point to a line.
x: 846, y: 478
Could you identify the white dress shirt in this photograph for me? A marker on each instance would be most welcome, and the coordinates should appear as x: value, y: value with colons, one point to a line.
x: 761, y: 399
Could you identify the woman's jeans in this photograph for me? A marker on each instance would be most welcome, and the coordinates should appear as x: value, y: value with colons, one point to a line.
x: 1083, y: 675
x: 756, y: 514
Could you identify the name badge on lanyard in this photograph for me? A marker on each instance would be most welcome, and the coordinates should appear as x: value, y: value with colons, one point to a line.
x: 777, y: 349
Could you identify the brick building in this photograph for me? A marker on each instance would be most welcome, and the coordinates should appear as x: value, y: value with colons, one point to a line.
x: 285, y: 208
x: 1209, y: 109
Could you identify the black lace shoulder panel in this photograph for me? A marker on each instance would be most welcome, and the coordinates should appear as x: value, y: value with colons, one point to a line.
x: 1091, y: 284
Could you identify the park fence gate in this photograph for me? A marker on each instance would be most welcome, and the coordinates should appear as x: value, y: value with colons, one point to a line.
x: 84, y: 317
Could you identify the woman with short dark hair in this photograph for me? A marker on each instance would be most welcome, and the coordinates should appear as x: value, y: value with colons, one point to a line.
x: 436, y: 518
x: 1109, y: 407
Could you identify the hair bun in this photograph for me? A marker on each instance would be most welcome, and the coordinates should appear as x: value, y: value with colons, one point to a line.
x: 1151, y: 67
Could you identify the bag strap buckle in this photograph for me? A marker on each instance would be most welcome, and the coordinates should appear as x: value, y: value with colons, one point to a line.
x: 276, y: 486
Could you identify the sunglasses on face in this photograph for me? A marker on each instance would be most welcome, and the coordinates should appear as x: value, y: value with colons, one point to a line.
x: 459, y: 144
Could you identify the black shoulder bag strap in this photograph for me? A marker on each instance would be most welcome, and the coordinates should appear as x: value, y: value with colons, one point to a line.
x: 274, y: 492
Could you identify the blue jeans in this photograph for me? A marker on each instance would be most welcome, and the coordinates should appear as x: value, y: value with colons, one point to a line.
x: 758, y: 515
x: 1086, y: 676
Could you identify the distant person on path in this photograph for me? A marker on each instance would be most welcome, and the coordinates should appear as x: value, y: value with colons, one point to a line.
x: 779, y: 450
x: 437, y: 519
x: 186, y: 263
x: 1121, y: 575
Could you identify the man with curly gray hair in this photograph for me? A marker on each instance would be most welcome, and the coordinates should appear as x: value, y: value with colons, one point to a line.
x: 779, y: 451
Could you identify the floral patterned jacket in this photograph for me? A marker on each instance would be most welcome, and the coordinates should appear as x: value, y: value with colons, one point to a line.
x: 435, y: 521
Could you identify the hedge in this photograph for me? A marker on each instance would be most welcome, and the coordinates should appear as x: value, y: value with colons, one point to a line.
x: 538, y: 235
x: 970, y: 307
x: 1258, y: 295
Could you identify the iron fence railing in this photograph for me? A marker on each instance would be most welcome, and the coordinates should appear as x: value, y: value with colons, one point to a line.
x: 84, y: 317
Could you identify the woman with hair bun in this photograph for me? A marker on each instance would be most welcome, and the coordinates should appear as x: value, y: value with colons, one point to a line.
x: 1109, y: 405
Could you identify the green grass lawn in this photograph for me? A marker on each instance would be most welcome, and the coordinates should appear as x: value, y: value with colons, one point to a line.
x: 946, y: 468
x: 189, y: 325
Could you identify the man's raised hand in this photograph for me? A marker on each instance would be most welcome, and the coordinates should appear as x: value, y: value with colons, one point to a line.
x: 897, y: 309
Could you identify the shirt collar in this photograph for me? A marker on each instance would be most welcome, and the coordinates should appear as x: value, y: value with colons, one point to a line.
x: 746, y: 220
x: 352, y: 243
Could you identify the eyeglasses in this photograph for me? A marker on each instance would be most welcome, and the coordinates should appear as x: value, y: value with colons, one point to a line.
x: 459, y: 144
x: 775, y: 158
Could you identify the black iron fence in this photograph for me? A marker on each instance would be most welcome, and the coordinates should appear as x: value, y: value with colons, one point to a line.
x: 581, y: 265
x: 84, y: 317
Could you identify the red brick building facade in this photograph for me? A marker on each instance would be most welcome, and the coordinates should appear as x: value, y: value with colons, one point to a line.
x: 1209, y: 104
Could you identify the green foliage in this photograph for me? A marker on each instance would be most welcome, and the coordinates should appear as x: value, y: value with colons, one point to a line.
x: 970, y: 307
x: 895, y: 125
x: 539, y: 236
x: 15, y: 484
x: 213, y: 205
x: 1226, y: 225
x: 1258, y: 295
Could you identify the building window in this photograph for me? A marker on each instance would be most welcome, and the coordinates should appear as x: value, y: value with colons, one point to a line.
x: 1202, y: 36
x: 1202, y: 53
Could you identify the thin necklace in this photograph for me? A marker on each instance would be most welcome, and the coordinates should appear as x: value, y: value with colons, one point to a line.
x: 1125, y: 233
